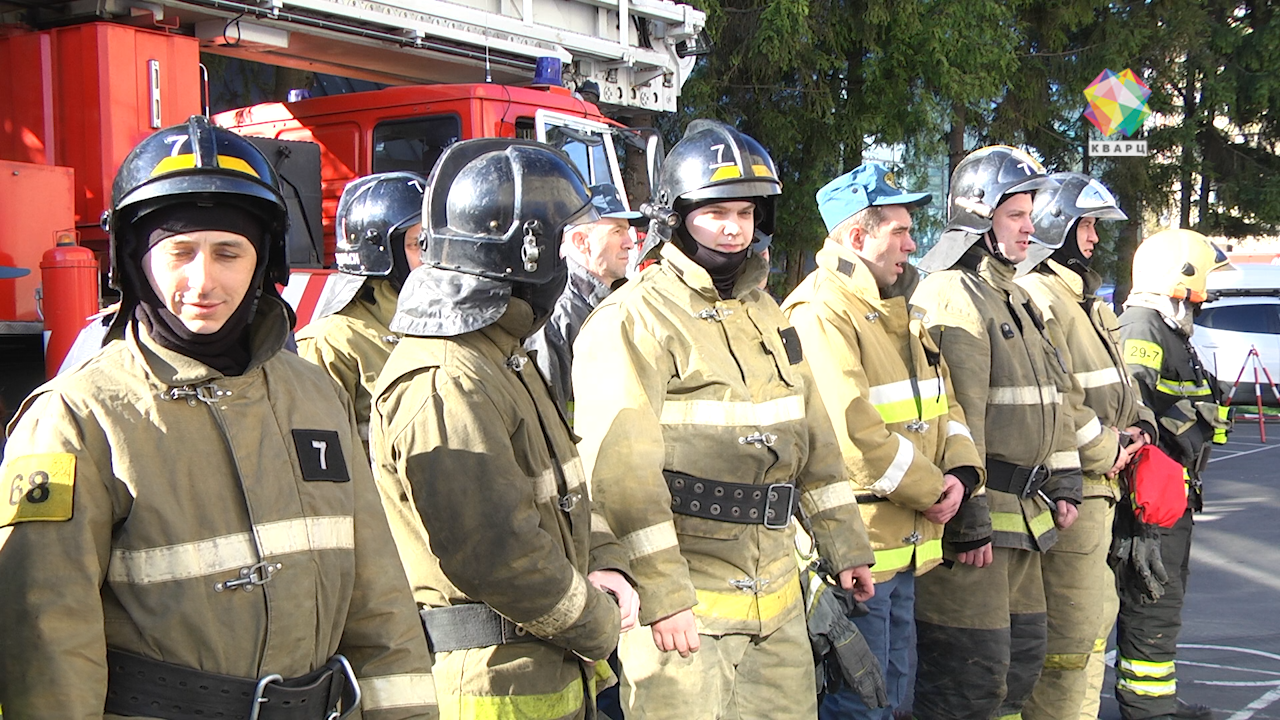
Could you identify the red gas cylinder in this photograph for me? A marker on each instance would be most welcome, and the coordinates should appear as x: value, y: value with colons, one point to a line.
x: 69, y: 295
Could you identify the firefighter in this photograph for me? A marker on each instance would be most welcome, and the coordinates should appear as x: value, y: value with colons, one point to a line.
x: 1169, y: 272
x: 377, y: 227
x: 906, y: 447
x: 477, y: 468
x: 704, y: 436
x: 596, y: 254
x: 981, y: 622
x: 191, y: 529
x: 1079, y: 586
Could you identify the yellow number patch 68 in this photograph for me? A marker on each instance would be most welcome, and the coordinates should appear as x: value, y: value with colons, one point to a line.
x: 37, y: 487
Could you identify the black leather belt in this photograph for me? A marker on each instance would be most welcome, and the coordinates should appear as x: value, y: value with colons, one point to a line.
x: 768, y: 505
x: 1018, y: 480
x: 462, y: 627
x: 140, y: 686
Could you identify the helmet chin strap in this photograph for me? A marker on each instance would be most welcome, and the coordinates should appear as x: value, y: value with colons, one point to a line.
x: 994, y: 247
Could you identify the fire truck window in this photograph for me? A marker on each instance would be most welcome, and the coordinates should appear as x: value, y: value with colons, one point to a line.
x: 526, y: 129
x: 587, y: 150
x: 413, y: 144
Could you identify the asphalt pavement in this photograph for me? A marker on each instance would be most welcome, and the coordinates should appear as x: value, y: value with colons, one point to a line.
x: 1229, y: 649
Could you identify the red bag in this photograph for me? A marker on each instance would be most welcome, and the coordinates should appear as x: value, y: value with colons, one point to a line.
x: 1158, y: 485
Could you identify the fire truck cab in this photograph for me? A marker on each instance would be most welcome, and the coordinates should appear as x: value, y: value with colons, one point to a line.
x: 85, y: 81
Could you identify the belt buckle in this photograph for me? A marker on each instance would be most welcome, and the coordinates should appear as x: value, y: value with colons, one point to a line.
x: 337, y: 663
x: 1037, y: 472
x: 776, y: 491
x: 257, y: 701
x: 352, y: 682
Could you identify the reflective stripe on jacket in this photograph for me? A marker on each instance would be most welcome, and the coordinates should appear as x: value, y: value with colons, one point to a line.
x: 183, y: 479
x: 670, y: 377
x: 488, y: 503
x: 1010, y: 381
x: 1102, y: 394
x: 353, y: 344
x: 887, y: 392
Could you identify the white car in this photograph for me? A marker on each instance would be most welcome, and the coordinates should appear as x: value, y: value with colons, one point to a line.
x: 1243, y: 312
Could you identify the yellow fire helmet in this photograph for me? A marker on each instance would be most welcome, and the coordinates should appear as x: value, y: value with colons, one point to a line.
x: 1175, y: 263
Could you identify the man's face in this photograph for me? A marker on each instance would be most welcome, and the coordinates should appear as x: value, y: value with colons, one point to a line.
x: 885, y: 250
x: 605, y: 246
x: 412, y: 250
x: 1087, y: 236
x: 201, y: 276
x: 727, y: 226
x: 1012, y: 227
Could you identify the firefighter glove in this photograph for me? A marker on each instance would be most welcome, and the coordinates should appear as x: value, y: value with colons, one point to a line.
x: 1138, y: 565
x: 839, y: 649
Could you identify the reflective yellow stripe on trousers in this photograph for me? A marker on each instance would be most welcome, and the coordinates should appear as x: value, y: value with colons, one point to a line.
x: 1150, y: 688
x: 1145, y: 677
x: 1145, y: 668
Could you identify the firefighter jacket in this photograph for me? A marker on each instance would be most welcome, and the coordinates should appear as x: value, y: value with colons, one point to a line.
x: 888, y: 393
x: 488, y: 502
x: 1102, y: 394
x: 353, y: 344
x: 1010, y: 381
x: 683, y: 381
x: 164, y: 479
x: 1186, y: 399
x: 552, y: 346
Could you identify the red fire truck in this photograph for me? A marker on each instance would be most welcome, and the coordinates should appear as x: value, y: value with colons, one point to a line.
x: 82, y: 82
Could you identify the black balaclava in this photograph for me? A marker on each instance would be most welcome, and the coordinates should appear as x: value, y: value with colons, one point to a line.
x: 399, y: 261
x: 1069, y: 254
x: 724, y: 268
x: 542, y: 297
x: 226, y: 350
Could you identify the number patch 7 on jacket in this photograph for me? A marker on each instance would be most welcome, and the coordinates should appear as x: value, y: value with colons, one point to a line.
x: 320, y: 455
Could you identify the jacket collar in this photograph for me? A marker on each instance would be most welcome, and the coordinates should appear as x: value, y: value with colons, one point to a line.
x: 586, y: 285
x: 514, y: 324
x: 1084, y: 282
x: 381, y: 309
x: 267, y: 335
x: 850, y: 268
x: 755, y: 270
x: 997, y: 273
x: 1175, y: 313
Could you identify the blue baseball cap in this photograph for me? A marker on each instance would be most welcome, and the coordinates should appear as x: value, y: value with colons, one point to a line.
x: 866, y: 185
x: 608, y: 204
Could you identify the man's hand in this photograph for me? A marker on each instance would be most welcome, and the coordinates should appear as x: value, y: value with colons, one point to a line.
x: 677, y: 632
x: 614, y: 583
x: 857, y: 580
x: 1123, y: 456
x: 1136, y: 439
x: 978, y: 558
x: 1065, y: 515
x: 949, y: 503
